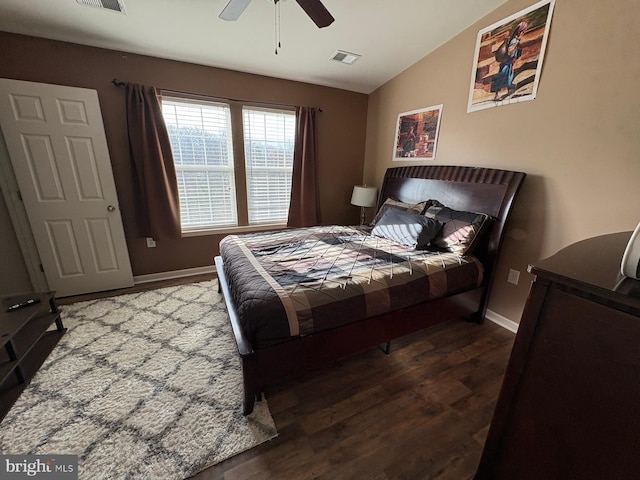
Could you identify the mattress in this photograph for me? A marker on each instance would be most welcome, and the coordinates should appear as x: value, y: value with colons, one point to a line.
x: 296, y: 282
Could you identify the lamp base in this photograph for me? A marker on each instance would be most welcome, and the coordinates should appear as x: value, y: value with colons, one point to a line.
x: 362, y: 219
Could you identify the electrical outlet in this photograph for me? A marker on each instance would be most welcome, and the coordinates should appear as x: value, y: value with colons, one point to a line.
x: 150, y: 242
x: 514, y: 276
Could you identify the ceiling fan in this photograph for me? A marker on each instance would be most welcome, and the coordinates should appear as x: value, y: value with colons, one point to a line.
x: 314, y: 8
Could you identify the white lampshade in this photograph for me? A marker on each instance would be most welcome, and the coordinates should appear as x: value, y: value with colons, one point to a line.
x: 364, y: 196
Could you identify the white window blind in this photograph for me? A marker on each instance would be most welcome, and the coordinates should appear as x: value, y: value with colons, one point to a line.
x: 269, y: 138
x: 201, y: 141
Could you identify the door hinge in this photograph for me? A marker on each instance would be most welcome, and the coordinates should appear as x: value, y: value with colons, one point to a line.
x: 41, y: 268
x: 19, y: 193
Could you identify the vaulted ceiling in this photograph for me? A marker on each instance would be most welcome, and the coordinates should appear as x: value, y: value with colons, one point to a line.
x: 391, y: 35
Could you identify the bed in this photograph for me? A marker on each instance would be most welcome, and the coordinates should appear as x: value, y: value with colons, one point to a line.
x: 300, y: 299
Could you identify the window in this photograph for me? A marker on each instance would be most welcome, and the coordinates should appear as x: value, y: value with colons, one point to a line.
x: 200, y: 136
x: 268, y: 151
x: 211, y: 184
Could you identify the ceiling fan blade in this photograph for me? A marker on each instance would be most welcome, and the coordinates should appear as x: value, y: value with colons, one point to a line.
x: 317, y: 12
x: 233, y: 10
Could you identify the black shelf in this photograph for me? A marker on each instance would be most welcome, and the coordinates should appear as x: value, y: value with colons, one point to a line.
x: 27, y: 342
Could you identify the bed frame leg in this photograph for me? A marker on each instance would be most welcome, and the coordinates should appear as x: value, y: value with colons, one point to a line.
x: 476, y: 317
x: 250, y: 384
x: 387, y: 348
x: 249, y: 401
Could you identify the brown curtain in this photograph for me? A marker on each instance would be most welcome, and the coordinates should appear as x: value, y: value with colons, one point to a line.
x: 304, y: 209
x: 155, y: 185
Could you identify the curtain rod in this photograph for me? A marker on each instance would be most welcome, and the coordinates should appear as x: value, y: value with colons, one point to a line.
x: 122, y: 83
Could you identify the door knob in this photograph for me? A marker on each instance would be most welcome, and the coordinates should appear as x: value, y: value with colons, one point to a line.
x: 111, y: 208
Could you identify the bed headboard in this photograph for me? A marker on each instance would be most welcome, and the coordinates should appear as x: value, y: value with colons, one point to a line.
x: 472, y: 189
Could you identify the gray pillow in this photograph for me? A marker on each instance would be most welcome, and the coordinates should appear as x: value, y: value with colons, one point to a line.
x: 407, y: 228
x: 419, y: 207
x: 461, y: 230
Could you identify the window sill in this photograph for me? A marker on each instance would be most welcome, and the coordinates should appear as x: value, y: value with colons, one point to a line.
x: 233, y: 230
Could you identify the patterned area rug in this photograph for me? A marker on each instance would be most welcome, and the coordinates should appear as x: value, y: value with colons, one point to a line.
x: 145, y: 385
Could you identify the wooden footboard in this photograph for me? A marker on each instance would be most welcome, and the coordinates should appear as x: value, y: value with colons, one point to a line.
x: 245, y: 350
x: 276, y: 363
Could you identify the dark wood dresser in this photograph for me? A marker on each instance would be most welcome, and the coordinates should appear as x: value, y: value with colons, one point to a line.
x: 569, y: 407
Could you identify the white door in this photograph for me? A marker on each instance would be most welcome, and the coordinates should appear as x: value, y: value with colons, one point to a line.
x: 56, y: 141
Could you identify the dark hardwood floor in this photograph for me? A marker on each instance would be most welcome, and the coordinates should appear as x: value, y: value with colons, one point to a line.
x: 421, y: 413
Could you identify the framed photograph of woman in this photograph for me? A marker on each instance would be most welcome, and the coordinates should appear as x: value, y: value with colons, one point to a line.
x: 417, y: 134
x: 508, y: 58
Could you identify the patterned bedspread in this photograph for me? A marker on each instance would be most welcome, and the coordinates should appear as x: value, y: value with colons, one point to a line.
x: 299, y: 281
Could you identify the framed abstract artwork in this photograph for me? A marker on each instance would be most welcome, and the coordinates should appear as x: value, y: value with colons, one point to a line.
x: 508, y: 58
x: 417, y: 134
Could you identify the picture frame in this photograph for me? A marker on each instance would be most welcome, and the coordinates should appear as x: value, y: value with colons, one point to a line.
x: 508, y: 58
x: 417, y: 134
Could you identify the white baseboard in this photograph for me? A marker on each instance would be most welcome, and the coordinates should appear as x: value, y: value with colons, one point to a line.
x: 187, y: 272
x: 504, y: 322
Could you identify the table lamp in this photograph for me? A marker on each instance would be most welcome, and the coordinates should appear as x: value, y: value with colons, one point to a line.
x: 363, y: 196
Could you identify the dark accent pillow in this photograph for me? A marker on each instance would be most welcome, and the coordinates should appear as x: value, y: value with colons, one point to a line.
x: 460, y: 230
x: 407, y: 228
x: 419, y: 207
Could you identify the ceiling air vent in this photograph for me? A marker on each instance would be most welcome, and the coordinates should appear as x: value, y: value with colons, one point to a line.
x: 345, y: 57
x: 113, y: 5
